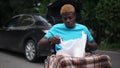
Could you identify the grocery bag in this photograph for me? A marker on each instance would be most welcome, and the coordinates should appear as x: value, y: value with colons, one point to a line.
x: 74, y: 47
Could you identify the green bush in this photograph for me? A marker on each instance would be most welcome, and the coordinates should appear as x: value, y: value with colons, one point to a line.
x: 108, y: 46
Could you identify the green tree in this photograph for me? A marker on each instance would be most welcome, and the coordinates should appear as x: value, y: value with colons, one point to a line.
x: 89, y: 19
x: 108, y: 14
x: 103, y: 17
x: 9, y: 8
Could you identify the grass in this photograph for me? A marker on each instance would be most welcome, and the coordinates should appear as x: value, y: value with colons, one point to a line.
x: 108, y: 46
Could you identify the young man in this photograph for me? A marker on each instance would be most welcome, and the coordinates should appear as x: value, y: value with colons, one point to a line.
x: 68, y: 30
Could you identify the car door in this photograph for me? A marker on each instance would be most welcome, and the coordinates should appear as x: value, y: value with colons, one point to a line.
x: 15, y: 32
x: 6, y: 34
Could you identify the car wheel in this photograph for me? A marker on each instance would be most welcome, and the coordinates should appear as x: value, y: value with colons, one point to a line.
x: 31, y: 51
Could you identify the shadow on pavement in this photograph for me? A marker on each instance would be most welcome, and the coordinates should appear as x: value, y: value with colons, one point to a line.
x: 21, y: 55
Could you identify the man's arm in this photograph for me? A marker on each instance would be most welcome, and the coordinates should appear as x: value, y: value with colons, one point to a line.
x: 51, y: 41
x: 92, y: 45
x: 43, y: 42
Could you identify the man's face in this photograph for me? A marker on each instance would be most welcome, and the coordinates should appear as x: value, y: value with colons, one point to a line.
x: 69, y: 19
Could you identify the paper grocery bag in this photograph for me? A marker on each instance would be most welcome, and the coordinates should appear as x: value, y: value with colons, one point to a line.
x: 74, y: 48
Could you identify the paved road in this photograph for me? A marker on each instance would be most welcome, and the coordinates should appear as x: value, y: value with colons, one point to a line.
x: 115, y: 57
x: 16, y: 60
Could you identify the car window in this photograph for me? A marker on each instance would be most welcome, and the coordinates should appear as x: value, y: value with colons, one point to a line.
x: 26, y: 20
x: 13, y: 22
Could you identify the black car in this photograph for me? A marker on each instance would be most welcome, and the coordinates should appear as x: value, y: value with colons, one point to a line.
x: 22, y: 33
